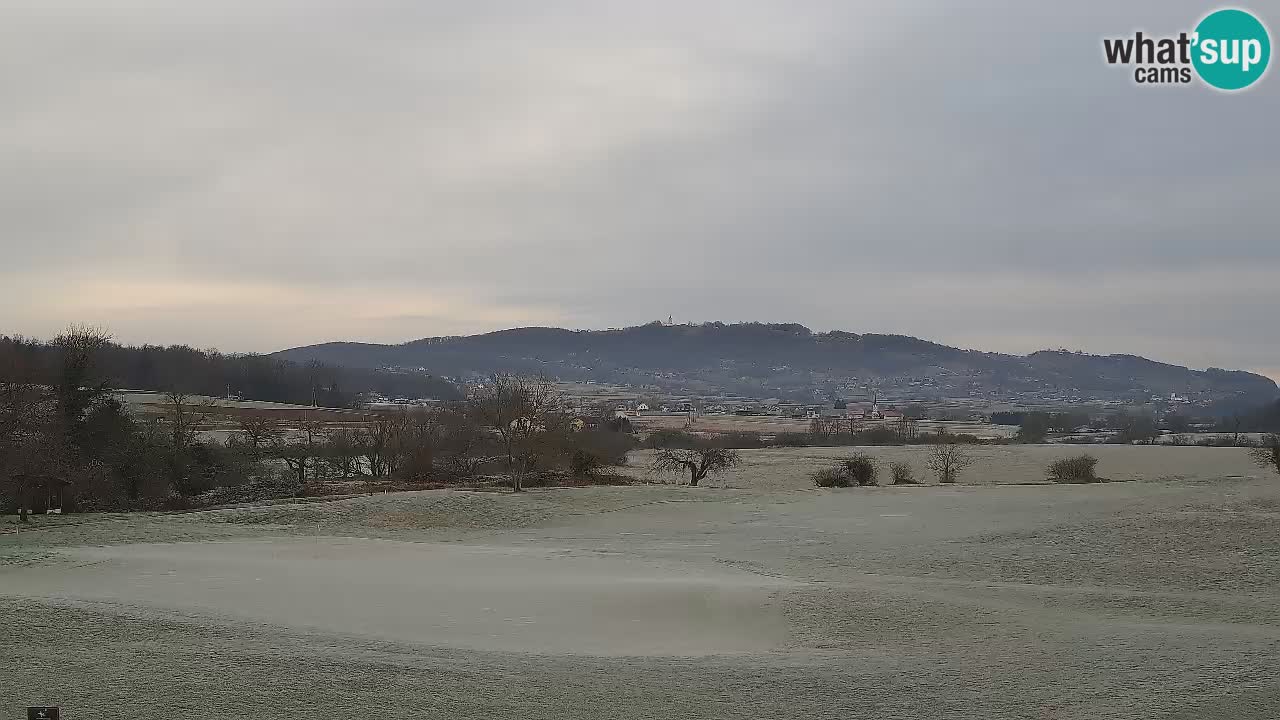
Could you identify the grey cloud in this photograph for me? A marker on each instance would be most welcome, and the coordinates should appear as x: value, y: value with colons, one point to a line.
x: 917, y: 167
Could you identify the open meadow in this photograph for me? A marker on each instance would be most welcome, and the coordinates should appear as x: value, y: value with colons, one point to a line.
x: 757, y: 596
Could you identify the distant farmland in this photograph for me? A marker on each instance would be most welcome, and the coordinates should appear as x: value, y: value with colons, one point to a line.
x: 772, y: 425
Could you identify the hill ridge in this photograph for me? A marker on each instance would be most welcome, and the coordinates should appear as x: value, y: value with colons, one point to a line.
x: 789, y: 360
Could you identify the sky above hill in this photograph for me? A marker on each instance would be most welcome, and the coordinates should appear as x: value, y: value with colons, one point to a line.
x: 258, y: 174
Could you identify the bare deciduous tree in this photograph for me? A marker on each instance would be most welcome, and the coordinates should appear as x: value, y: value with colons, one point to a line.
x: 460, y: 439
x: 183, y: 416
x: 823, y: 427
x: 699, y: 462
x: 300, y: 452
x: 948, y: 461
x: 380, y: 443
x: 75, y: 386
x: 908, y: 429
x: 259, y: 433
x: 1236, y: 424
x: 343, y: 452
x: 517, y: 407
x: 417, y: 438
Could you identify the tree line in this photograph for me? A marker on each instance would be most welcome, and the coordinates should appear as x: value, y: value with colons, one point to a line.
x: 184, y: 369
x: 67, y: 441
x: 1141, y: 427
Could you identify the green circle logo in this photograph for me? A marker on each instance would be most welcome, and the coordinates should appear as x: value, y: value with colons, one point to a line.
x: 1232, y: 49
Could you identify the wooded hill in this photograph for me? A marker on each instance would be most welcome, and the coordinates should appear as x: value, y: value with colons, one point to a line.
x: 786, y: 359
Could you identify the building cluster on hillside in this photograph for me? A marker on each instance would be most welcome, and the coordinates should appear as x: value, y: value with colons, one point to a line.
x: 871, y: 411
x: 378, y: 400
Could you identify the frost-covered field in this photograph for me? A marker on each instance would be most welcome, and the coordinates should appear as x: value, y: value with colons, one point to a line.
x: 757, y: 597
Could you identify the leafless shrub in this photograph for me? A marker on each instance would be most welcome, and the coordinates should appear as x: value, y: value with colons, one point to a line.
x: 861, y: 469
x: 1078, y: 469
x: 903, y: 474
x: 834, y: 477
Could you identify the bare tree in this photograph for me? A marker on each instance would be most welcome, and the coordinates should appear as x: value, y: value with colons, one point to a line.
x: 381, y: 438
x: 75, y: 387
x: 259, y: 433
x: 517, y: 407
x: 300, y: 453
x: 908, y: 429
x: 298, y: 457
x: 415, y: 443
x: 1267, y: 452
x: 342, y: 451
x: 855, y: 425
x: 183, y: 415
x: 1139, y: 429
x: 1236, y: 423
x: 824, y: 427
x: 699, y: 462
x: 948, y: 461
x: 460, y: 440
x: 141, y: 460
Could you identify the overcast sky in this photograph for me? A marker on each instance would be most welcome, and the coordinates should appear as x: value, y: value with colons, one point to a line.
x: 257, y: 174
